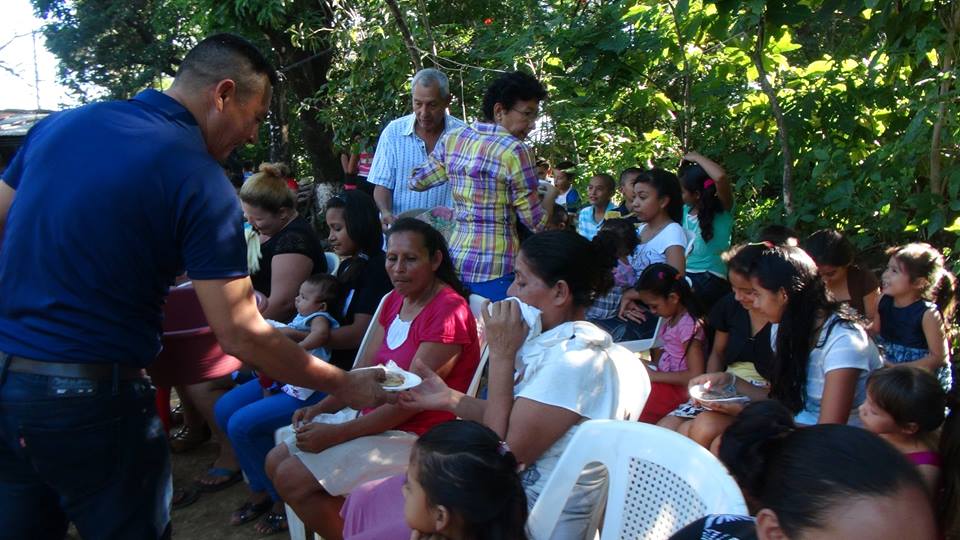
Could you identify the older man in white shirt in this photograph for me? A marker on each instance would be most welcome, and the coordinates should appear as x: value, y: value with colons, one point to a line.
x: 405, y: 144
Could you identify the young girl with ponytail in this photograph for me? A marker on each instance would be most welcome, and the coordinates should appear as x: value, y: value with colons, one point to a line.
x: 708, y: 220
x: 915, y: 309
x: 462, y: 484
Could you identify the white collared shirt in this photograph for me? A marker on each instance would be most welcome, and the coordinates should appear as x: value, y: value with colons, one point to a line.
x: 399, y: 151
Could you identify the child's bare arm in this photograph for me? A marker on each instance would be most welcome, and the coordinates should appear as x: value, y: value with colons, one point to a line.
x: 319, y: 334
x: 712, y: 168
x: 292, y: 333
x: 695, y: 366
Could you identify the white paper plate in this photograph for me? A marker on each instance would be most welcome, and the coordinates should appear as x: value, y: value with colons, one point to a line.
x: 697, y: 392
x: 410, y: 380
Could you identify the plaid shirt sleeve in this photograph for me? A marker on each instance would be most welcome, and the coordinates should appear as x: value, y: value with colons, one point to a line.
x: 433, y: 172
x: 607, y: 306
x: 523, y: 188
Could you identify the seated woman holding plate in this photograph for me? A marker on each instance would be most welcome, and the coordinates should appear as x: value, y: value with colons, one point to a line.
x: 822, y: 355
x: 427, y: 317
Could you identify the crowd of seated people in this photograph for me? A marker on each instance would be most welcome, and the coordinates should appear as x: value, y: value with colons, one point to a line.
x: 844, y: 376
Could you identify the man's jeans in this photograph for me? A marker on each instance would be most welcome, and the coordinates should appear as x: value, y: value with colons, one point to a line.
x: 91, y: 452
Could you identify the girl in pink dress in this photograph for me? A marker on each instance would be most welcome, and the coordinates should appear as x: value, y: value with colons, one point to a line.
x: 680, y: 355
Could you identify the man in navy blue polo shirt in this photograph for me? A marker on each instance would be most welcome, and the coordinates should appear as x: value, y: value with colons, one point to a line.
x: 100, y: 209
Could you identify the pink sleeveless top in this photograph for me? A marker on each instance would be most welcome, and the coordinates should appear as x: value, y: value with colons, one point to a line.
x: 927, y: 457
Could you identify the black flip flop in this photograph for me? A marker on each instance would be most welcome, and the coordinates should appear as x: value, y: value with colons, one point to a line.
x: 183, y: 498
x: 250, y: 511
x: 275, y: 522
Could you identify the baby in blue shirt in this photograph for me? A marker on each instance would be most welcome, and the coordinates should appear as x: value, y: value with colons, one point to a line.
x: 311, y: 328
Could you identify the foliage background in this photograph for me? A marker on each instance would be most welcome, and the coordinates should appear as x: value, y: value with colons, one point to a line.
x: 859, y: 93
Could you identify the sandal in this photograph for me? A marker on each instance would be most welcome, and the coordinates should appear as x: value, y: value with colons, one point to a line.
x: 272, y: 523
x: 250, y: 511
x: 230, y: 478
x: 176, y: 415
x: 187, y: 438
x: 183, y: 498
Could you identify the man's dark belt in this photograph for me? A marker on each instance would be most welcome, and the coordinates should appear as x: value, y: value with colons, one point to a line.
x: 18, y: 364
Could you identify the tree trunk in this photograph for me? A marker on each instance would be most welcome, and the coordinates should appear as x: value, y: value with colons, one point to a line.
x: 405, y: 33
x: 951, y: 21
x: 782, y: 132
x: 306, y: 76
x: 279, y: 124
x: 685, y: 116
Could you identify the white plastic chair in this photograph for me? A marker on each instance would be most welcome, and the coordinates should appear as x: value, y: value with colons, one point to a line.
x: 333, y: 262
x: 368, y: 335
x: 658, y: 481
x: 643, y: 345
x: 476, y: 305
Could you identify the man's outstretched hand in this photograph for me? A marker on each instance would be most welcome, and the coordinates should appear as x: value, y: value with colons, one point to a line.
x: 363, y: 388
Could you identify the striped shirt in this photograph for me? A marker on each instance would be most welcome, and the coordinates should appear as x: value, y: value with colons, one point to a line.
x: 587, y: 226
x: 494, y: 183
x: 399, y: 151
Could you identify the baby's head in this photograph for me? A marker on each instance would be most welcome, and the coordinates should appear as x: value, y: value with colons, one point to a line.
x: 319, y: 292
x: 559, y: 219
x: 463, y: 478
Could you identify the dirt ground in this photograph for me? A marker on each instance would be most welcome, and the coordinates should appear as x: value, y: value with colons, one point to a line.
x: 209, y: 517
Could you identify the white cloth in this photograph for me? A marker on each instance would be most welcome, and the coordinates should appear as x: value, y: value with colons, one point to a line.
x: 846, y: 346
x: 654, y: 251
x: 253, y: 248
x: 397, y: 332
x: 530, y: 314
x: 399, y: 151
x: 343, y: 467
x: 576, y: 366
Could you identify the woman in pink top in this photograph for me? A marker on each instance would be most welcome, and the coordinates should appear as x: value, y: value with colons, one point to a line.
x: 427, y: 317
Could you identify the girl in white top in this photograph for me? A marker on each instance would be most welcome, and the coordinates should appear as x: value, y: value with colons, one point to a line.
x: 567, y: 373
x: 823, y: 356
x: 658, y: 205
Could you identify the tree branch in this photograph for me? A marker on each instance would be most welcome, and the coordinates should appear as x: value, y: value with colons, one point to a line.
x: 782, y: 133
x: 951, y: 21
x: 405, y: 34
x: 685, y: 116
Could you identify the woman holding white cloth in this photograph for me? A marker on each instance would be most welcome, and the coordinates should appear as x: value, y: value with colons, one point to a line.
x: 568, y: 372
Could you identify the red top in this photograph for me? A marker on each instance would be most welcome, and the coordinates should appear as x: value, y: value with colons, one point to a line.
x: 446, y: 319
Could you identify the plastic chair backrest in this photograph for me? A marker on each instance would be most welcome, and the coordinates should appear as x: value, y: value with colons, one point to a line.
x: 476, y: 304
x: 182, y: 311
x: 333, y: 262
x: 658, y: 481
x: 368, y: 335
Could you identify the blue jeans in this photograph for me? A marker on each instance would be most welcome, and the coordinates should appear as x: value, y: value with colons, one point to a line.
x: 627, y: 330
x: 250, y: 420
x: 75, y: 450
x: 494, y: 290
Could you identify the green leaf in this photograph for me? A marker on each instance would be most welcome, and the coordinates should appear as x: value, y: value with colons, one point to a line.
x: 953, y: 227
